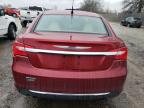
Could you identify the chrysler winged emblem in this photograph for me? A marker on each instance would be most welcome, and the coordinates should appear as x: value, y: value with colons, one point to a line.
x: 72, y: 47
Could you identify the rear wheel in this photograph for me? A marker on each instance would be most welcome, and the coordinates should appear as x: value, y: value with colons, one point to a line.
x: 12, y: 32
x: 138, y: 26
x: 24, y: 24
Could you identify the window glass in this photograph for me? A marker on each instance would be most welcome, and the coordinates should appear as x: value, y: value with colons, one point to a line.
x: 75, y: 24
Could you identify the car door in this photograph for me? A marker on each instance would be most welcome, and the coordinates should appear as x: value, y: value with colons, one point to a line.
x: 3, y: 22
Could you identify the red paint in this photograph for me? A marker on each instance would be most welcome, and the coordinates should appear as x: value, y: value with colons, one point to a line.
x: 70, y: 74
x: 11, y: 11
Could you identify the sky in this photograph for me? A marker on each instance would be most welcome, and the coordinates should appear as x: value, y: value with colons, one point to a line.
x: 60, y: 4
x: 113, y: 5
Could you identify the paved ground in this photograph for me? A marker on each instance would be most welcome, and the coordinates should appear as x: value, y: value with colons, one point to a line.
x: 132, y: 96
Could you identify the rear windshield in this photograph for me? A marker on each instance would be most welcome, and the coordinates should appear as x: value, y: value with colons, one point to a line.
x: 75, y: 24
x: 35, y: 8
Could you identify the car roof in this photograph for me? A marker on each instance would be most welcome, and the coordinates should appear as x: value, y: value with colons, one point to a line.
x: 68, y: 12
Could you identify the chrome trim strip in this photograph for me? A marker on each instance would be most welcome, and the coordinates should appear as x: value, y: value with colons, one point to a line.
x: 32, y: 50
x: 69, y: 94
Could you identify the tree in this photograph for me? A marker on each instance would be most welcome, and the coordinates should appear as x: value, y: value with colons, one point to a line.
x: 133, y: 5
x: 91, y: 5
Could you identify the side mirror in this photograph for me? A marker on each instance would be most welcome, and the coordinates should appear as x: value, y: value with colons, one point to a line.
x: 2, y: 13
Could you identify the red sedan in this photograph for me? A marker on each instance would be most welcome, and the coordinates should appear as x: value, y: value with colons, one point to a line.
x: 69, y: 55
x: 12, y: 12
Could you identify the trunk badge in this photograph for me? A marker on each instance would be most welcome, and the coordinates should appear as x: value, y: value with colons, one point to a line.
x: 72, y: 47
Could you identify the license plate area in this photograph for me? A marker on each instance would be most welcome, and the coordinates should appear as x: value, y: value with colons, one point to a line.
x: 83, y: 62
x: 71, y: 62
x: 80, y: 63
x: 29, y: 18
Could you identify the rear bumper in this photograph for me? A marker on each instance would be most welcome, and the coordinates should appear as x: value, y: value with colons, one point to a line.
x: 68, y: 83
x: 50, y: 95
x: 27, y: 19
x: 136, y: 24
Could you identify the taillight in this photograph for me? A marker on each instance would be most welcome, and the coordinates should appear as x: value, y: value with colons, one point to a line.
x: 19, y: 49
x: 122, y: 53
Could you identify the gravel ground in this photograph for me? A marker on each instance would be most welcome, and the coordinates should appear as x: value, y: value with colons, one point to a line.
x: 131, y: 97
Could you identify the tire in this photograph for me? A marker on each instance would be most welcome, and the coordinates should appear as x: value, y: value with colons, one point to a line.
x: 11, y: 32
x: 130, y: 25
x: 24, y: 24
x: 138, y: 26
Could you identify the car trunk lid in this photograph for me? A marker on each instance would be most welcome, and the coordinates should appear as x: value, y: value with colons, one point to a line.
x: 66, y: 51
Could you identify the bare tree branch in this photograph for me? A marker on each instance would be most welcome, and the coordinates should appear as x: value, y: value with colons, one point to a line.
x: 91, y: 5
x: 133, y: 5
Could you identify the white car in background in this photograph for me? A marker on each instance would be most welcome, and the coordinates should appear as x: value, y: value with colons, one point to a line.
x: 28, y: 14
x: 9, y: 26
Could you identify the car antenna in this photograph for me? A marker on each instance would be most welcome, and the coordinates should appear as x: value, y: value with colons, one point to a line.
x: 72, y: 11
